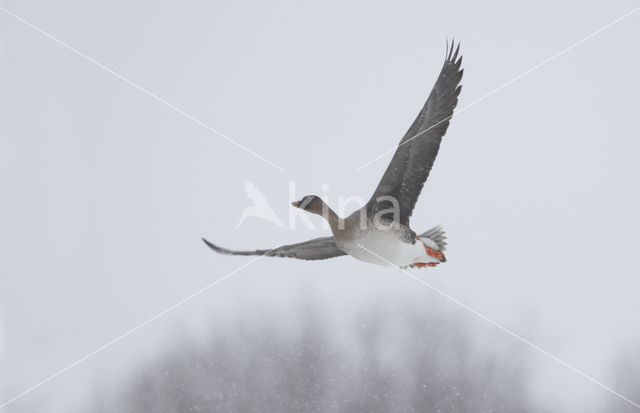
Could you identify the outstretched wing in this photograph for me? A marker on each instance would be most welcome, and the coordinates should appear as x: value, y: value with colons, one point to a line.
x: 314, y: 249
x: 416, y: 152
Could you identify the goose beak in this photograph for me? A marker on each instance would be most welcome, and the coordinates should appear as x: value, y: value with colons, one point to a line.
x: 296, y: 204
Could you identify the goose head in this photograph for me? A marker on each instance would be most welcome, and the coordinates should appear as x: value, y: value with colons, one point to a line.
x: 311, y: 203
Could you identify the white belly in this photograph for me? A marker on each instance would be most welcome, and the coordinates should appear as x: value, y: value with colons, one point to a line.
x: 386, y: 248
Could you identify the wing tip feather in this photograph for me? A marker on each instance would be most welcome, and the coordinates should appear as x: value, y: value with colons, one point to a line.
x: 452, y: 52
x: 214, y: 247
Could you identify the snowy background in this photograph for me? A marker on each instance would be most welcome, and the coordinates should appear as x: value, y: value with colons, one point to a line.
x: 105, y: 193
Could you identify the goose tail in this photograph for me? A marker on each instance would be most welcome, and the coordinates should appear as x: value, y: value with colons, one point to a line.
x: 437, y: 235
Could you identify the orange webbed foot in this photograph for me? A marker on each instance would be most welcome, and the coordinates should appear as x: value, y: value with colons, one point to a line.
x: 434, y: 253
x: 424, y: 265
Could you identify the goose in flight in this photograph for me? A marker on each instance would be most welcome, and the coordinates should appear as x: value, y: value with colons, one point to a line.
x: 379, y: 232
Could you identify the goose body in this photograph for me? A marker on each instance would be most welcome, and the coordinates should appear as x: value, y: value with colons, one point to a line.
x: 386, y: 243
x: 386, y: 248
x: 379, y: 233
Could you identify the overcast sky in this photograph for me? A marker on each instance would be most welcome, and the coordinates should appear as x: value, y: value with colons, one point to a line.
x: 105, y: 191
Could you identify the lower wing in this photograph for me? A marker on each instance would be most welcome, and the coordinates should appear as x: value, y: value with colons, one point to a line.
x: 314, y: 249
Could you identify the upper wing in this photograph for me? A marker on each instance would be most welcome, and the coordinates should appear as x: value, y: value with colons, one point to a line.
x: 315, y: 249
x: 412, y: 162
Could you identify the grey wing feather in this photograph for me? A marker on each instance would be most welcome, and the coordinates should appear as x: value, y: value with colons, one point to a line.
x: 417, y: 150
x: 315, y: 249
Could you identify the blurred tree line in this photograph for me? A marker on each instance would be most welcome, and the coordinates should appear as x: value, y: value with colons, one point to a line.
x: 406, y: 360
